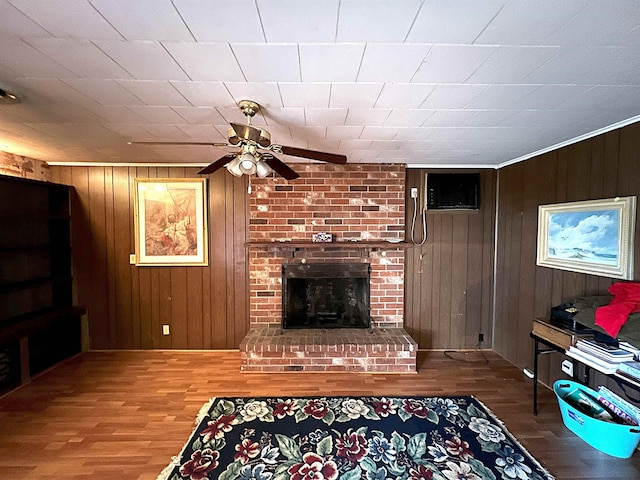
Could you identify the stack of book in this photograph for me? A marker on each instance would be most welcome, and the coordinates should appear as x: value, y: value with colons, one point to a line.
x: 602, y: 356
x: 631, y: 348
x: 630, y: 370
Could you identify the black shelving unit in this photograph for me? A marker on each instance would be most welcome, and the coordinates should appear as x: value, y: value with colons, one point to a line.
x: 39, y: 325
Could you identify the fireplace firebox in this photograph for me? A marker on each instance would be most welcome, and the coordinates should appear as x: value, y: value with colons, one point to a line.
x: 325, y: 295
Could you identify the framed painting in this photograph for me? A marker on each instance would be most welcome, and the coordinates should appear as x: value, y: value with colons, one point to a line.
x: 170, y: 222
x: 593, y: 237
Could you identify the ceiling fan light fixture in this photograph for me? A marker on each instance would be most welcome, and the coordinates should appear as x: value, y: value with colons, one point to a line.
x: 233, y: 167
x: 247, y: 163
x: 263, y: 169
x: 249, y: 160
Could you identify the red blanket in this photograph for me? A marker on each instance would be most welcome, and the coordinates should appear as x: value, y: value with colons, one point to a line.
x: 626, y: 300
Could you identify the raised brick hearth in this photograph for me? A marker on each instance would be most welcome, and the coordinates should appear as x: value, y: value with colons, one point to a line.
x: 267, y: 349
x: 358, y: 204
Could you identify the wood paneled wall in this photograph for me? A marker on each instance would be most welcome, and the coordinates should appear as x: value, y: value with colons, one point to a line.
x: 449, y: 279
x: 448, y: 284
x: 205, y: 307
x: 601, y: 167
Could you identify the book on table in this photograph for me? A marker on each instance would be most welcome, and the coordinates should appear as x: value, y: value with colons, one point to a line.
x: 630, y: 348
x: 604, y: 351
x: 629, y: 369
x: 601, y: 364
x: 629, y: 378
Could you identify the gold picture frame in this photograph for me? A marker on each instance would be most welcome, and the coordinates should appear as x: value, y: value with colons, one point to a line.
x: 593, y: 237
x: 170, y: 222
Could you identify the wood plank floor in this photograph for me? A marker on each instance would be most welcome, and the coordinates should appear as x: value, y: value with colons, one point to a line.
x: 123, y: 415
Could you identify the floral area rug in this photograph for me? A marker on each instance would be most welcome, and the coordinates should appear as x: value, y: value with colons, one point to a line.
x: 351, y: 438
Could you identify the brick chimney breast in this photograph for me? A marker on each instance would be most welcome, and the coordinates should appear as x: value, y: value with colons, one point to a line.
x: 353, y: 202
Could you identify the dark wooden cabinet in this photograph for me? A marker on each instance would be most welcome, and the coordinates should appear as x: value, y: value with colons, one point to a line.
x: 39, y: 325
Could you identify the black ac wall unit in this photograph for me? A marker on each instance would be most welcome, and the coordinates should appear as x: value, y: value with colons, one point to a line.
x: 452, y: 191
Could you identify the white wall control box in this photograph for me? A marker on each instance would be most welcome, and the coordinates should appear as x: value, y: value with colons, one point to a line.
x: 567, y: 367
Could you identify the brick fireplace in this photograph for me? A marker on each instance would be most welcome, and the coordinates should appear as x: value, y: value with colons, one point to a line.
x: 362, y: 206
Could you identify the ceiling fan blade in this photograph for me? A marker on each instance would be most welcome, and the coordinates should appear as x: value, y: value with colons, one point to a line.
x: 210, y: 144
x: 218, y: 164
x: 279, y: 166
x: 312, y: 154
x: 246, y: 132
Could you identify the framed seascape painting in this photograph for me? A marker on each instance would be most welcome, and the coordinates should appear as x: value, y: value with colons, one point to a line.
x: 593, y: 237
x: 170, y: 222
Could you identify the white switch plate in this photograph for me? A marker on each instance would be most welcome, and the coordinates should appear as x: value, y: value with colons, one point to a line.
x: 132, y: 259
x: 165, y: 330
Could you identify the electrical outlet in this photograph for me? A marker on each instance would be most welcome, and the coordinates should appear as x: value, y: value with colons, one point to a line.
x: 414, y: 192
x: 480, y: 337
x: 165, y: 330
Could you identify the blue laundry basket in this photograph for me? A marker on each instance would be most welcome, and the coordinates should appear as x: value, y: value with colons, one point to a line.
x: 611, y: 438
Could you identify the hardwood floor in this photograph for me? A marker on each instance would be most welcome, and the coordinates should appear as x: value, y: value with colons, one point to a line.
x: 124, y: 414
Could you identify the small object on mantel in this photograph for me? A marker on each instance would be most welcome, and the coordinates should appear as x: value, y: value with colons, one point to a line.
x: 322, y: 237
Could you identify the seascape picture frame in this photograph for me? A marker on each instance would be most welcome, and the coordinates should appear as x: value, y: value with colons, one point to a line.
x: 170, y: 222
x: 593, y: 237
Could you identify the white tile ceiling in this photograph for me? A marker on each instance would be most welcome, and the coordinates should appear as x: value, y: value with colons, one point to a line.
x: 420, y: 82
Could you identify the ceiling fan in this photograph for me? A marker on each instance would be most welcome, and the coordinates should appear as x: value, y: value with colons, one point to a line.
x: 255, y: 155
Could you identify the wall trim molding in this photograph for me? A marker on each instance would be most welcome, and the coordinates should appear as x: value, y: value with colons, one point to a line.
x: 571, y: 141
x: 451, y: 167
x: 124, y: 164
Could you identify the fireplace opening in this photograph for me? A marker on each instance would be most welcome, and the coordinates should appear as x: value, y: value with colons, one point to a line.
x: 326, y: 295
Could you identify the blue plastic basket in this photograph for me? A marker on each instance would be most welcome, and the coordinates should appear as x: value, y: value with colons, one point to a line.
x: 611, y: 438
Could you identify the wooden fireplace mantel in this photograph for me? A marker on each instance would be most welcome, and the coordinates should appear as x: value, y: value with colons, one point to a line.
x: 295, y: 245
